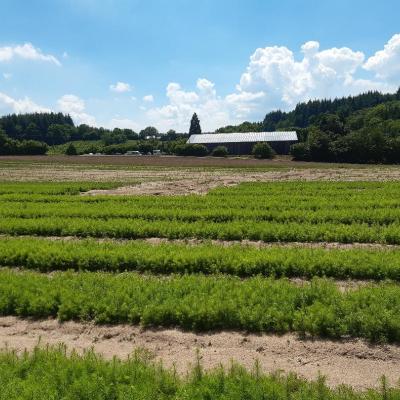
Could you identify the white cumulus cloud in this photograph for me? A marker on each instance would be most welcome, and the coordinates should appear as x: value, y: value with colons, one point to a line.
x: 386, y: 63
x: 75, y: 107
x: 211, y: 109
x: 121, y: 87
x: 319, y: 73
x: 277, y: 79
x: 19, y: 106
x: 148, y: 98
x: 27, y: 52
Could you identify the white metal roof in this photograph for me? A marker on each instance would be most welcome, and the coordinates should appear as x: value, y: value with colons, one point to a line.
x: 242, y: 137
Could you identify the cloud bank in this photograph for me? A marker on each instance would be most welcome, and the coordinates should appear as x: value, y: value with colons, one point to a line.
x: 121, y: 87
x: 75, y: 107
x: 26, y: 52
x: 275, y: 79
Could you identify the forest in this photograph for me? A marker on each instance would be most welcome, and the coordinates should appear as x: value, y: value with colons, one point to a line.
x: 354, y: 129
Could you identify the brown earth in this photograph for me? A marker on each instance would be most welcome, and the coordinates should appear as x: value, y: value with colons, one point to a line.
x: 351, y: 362
x: 177, y: 183
x: 225, y: 243
x: 165, y: 161
x: 176, y: 178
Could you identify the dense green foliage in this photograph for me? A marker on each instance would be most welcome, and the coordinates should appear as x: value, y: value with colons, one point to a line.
x: 49, y: 255
x: 52, y: 374
x: 196, y: 302
x: 305, y: 114
x: 292, y: 211
x: 17, y: 147
x: 71, y: 150
x: 195, y: 128
x: 197, y: 150
x: 263, y: 150
x: 362, y: 129
x: 243, y: 127
x: 33, y: 126
x: 220, y: 151
x: 57, y: 128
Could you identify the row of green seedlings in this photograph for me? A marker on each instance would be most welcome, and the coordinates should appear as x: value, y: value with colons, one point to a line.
x: 52, y: 373
x: 53, y: 188
x: 379, y: 216
x: 203, y: 303
x: 165, y: 258
x: 272, y: 188
x: 261, y: 194
x: 236, y: 230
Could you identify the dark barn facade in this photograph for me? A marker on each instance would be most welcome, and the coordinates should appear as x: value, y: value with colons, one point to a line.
x: 243, y: 143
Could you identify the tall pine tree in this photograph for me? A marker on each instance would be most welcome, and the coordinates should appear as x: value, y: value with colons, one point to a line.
x: 195, y: 128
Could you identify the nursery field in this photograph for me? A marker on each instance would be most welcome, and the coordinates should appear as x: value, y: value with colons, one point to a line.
x: 317, y: 259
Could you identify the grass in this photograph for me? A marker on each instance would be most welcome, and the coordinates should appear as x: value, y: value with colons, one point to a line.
x: 50, y: 373
x: 201, y: 303
x: 165, y: 258
x: 294, y: 211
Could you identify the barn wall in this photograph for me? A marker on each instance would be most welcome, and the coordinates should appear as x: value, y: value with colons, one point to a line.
x: 244, y: 148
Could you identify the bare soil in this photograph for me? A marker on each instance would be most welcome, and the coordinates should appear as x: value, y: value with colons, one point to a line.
x: 351, y: 362
x: 225, y: 243
x: 165, y: 161
x: 176, y: 182
x: 180, y: 175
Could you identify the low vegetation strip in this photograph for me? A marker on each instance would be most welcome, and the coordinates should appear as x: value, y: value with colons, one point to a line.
x: 202, y: 303
x: 124, y: 228
x: 106, y: 210
x: 52, y: 188
x: 345, y: 212
x: 53, y: 374
x: 244, y: 261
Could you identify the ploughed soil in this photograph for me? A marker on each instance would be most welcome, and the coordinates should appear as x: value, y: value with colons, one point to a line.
x: 164, y: 161
x: 175, y: 175
x: 352, y: 362
x: 178, y: 183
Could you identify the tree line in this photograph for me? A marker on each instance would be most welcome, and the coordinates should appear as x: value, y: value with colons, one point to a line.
x: 361, y: 129
x: 354, y: 129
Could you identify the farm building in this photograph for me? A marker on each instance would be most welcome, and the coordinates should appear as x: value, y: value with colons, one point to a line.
x: 242, y: 143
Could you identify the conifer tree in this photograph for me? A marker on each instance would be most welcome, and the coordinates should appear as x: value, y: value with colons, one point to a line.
x: 195, y: 128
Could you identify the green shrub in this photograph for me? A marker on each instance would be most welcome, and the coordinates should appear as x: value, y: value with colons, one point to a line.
x: 71, y: 150
x: 300, y: 151
x: 263, y: 150
x: 197, y: 150
x: 220, y: 151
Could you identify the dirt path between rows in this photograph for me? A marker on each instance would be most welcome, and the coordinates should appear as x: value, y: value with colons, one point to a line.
x: 200, y: 183
x: 352, y: 362
x: 155, y: 241
x: 184, y: 180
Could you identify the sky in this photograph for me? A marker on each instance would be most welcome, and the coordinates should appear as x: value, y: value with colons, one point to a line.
x: 131, y: 63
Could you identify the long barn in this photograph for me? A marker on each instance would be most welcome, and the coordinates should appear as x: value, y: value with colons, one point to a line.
x: 243, y: 143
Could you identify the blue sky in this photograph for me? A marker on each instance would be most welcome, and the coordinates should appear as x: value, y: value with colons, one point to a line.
x: 138, y: 63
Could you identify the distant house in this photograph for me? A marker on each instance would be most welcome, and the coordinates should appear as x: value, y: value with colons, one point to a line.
x: 242, y: 143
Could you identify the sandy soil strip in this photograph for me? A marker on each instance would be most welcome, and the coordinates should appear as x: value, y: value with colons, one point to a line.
x: 179, y: 179
x: 261, y: 244
x: 351, y: 362
x: 224, y: 243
